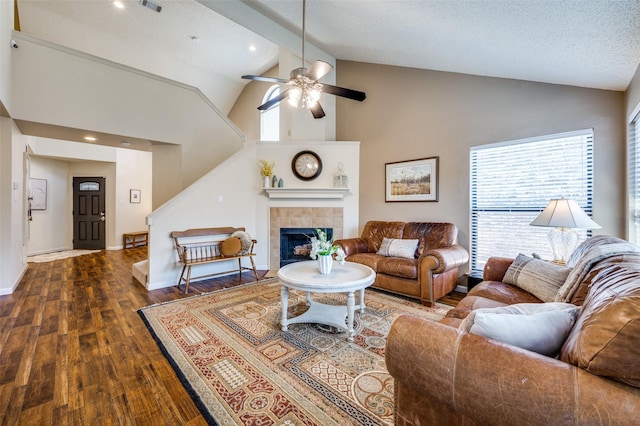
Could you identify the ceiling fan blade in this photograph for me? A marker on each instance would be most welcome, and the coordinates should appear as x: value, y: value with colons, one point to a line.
x: 317, y: 111
x: 356, y: 95
x: 271, y: 102
x: 267, y: 79
x: 318, y: 70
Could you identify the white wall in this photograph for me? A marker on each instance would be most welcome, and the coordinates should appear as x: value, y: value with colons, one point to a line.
x: 226, y: 196
x: 238, y: 185
x: 49, y: 229
x: 81, y: 91
x: 12, y: 207
x: 124, y: 169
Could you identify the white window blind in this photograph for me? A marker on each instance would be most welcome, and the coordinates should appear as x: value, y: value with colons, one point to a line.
x: 512, y: 182
x: 633, y: 150
x: 270, y: 119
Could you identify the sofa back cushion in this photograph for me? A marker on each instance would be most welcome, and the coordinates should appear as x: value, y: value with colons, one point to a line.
x: 604, y: 340
x: 374, y: 231
x: 431, y: 235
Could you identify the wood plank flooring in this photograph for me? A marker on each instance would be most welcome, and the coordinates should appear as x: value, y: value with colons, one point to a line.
x: 74, y: 351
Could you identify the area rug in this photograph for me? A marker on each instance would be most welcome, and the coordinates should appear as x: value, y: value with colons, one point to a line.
x: 240, y: 368
x: 50, y: 257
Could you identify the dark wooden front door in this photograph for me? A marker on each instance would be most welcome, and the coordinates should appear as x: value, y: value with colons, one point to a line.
x: 88, y: 213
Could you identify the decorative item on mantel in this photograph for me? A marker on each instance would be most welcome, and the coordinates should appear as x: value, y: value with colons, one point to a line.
x: 274, y: 181
x: 266, y: 170
x: 324, y: 250
x: 340, y: 180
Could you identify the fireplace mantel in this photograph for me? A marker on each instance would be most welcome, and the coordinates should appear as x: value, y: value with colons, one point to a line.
x: 306, y: 193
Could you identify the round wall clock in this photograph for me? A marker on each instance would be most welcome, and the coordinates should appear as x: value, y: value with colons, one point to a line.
x: 306, y: 165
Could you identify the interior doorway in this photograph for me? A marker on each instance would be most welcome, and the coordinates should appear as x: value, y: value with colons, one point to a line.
x: 89, y: 213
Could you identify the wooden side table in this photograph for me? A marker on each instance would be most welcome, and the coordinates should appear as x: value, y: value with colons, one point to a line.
x: 135, y: 239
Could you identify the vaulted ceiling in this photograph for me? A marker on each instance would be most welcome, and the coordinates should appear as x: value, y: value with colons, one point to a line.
x: 590, y: 43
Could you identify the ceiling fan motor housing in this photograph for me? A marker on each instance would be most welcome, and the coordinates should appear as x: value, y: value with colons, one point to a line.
x: 297, y: 73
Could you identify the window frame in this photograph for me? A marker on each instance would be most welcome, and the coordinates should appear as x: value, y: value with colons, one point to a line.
x: 272, y: 114
x: 518, y: 212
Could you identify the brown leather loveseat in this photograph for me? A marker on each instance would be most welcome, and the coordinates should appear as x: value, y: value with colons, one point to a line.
x: 445, y: 375
x: 426, y: 271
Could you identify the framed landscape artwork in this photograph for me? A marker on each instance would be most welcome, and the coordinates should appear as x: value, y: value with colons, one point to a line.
x: 414, y: 180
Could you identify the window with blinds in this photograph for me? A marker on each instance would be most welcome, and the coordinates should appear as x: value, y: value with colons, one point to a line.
x: 633, y: 171
x: 512, y: 182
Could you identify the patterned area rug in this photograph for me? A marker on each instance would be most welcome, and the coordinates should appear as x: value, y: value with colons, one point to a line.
x: 240, y: 368
x: 50, y: 257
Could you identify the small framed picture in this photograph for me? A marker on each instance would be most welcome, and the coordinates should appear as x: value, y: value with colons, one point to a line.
x: 413, y: 180
x: 134, y: 196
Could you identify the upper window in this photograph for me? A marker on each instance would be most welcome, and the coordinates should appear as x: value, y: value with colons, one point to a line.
x: 512, y: 182
x: 633, y: 168
x: 270, y: 119
x: 89, y: 186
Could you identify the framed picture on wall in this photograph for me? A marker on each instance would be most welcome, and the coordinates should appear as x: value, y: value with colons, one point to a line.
x: 134, y: 196
x: 38, y: 194
x: 413, y: 180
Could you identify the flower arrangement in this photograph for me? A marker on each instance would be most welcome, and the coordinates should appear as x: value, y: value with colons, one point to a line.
x: 320, y: 246
x: 266, y: 168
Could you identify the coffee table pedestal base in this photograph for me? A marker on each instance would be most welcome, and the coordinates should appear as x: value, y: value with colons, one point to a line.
x: 338, y: 316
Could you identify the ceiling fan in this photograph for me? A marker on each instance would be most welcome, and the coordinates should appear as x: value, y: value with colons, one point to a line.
x: 305, y: 88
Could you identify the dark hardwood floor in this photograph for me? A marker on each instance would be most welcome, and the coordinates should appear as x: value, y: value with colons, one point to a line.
x: 73, y: 349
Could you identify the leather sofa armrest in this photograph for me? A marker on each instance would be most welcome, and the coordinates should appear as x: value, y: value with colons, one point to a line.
x: 445, y: 258
x: 490, y: 382
x: 352, y: 245
x: 495, y: 268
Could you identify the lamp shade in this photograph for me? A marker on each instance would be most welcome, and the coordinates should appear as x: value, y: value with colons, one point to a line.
x: 562, y: 213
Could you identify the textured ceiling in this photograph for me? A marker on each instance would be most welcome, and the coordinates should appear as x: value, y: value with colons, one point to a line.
x: 589, y: 43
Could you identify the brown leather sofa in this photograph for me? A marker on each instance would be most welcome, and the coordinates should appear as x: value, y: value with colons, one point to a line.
x: 431, y: 273
x: 446, y: 376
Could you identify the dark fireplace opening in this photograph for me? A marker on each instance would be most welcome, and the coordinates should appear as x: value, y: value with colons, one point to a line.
x: 295, y: 245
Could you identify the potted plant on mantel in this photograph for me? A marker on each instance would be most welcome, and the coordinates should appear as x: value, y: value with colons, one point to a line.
x: 266, y: 171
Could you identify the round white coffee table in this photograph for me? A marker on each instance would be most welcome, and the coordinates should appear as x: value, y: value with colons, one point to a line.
x: 305, y: 276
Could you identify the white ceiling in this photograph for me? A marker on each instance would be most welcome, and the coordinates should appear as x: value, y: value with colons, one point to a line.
x: 589, y: 43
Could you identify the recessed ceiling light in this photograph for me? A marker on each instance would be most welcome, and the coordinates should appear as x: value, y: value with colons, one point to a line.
x: 126, y: 143
x: 90, y: 138
x: 195, y: 39
x: 252, y: 47
x: 118, y: 4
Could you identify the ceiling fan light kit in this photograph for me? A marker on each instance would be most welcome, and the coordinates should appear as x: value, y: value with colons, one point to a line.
x: 306, y: 90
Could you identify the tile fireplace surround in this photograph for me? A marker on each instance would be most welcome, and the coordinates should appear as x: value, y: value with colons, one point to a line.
x: 300, y: 217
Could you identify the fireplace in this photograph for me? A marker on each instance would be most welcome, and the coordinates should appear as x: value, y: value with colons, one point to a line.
x: 295, y: 245
x: 308, y: 218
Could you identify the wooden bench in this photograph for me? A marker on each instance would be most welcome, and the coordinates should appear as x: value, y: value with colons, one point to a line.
x: 201, y: 246
x: 134, y: 239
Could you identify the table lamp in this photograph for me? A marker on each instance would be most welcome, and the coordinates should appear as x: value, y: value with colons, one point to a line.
x: 563, y: 216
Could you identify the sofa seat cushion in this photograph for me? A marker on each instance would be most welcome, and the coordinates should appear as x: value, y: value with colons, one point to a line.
x: 502, y: 292
x: 604, y: 340
x: 369, y: 259
x: 398, y: 267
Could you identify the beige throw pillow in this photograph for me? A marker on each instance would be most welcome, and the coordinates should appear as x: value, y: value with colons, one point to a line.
x: 541, y: 278
x: 398, y: 248
x: 538, y: 327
